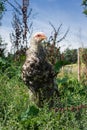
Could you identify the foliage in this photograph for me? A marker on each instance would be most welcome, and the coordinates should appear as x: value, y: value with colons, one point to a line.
x: 16, y: 36
x: 70, y: 56
x: 2, y: 47
x: 84, y: 3
x: 84, y: 60
x: 2, y: 8
x: 55, y: 57
x: 21, y: 30
x: 53, y: 49
x: 58, y: 59
x: 18, y: 112
x: 84, y: 56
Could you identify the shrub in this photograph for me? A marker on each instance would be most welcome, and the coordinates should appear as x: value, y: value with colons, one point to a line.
x: 18, y: 113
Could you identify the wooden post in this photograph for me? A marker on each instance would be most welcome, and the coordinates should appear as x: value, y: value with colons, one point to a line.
x: 79, y: 65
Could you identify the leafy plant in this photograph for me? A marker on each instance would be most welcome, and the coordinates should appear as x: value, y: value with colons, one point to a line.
x: 18, y: 112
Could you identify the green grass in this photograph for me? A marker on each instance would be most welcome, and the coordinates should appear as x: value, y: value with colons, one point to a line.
x: 71, y: 70
x: 18, y: 113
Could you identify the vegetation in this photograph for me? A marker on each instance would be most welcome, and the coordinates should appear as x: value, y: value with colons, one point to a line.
x: 2, y: 47
x: 18, y: 112
x: 2, y: 8
x: 84, y: 4
x: 70, y: 56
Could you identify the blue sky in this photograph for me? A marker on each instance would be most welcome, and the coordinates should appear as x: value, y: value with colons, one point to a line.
x: 67, y: 12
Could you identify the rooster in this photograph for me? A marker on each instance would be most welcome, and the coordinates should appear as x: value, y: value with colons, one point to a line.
x: 38, y: 74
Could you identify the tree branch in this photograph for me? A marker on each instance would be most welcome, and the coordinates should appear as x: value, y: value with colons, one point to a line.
x: 63, y: 36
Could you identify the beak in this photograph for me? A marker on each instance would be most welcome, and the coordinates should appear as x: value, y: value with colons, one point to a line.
x: 43, y: 37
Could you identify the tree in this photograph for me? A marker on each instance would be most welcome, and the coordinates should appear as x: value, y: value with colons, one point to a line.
x: 84, y: 4
x: 2, y: 47
x: 70, y: 56
x: 53, y: 48
x: 21, y: 30
x: 84, y: 59
x: 2, y: 8
x: 16, y: 35
x: 23, y: 13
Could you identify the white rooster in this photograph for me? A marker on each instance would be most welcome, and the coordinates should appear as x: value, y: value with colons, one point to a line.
x: 38, y: 73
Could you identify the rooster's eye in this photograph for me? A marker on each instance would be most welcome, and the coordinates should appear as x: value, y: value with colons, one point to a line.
x: 38, y: 35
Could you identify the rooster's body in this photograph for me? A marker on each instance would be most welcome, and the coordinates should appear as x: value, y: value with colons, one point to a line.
x: 38, y: 73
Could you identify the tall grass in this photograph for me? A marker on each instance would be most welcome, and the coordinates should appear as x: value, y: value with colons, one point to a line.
x: 18, y: 113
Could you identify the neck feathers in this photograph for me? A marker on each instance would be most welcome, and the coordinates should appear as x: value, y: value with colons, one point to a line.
x: 35, y: 46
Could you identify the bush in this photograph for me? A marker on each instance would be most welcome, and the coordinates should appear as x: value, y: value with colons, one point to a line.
x: 18, y: 113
